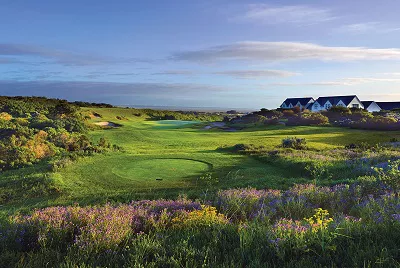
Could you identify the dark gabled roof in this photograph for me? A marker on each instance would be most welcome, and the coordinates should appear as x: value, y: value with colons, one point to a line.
x: 294, y: 101
x: 387, y: 106
x: 334, y: 100
x: 367, y: 103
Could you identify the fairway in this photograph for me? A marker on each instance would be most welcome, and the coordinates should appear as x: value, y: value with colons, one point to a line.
x: 167, y: 158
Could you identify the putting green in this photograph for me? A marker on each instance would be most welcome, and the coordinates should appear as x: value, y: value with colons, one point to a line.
x: 160, y: 169
x: 169, y: 124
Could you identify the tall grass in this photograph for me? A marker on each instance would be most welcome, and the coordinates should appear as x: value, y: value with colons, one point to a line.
x: 343, y: 226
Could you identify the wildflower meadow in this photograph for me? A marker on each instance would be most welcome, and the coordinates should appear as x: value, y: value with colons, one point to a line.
x: 307, y: 225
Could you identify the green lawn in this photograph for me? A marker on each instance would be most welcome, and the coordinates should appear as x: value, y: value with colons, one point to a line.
x: 167, y: 158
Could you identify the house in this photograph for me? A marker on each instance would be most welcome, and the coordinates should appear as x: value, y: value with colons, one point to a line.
x: 371, y: 106
x: 388, y: 106
x: 325, y: 103
x: 303, y: 103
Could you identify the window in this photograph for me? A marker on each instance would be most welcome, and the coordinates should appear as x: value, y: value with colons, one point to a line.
x: 328, y: 106
x: 356, y: 105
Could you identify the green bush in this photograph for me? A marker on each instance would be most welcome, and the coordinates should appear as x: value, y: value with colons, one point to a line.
x: 378, y: 122
x: 294, y: 143
x: 308, y: 119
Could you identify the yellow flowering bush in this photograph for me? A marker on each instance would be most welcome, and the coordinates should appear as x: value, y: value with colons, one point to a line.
x: 207, y: 216
x: 320, y: 220
x: 5, y: 116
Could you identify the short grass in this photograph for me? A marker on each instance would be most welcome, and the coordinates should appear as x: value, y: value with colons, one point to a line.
x: 168, y: 158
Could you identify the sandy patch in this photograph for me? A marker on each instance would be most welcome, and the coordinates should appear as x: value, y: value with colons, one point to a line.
x: 215, y: 125
x: 107, y: 124
x: 94, y: 115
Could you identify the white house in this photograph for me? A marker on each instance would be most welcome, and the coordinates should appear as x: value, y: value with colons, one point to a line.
x: 325, y: 103
x: 388, y: 106
x: 371, y: 106
x: 303, y: 103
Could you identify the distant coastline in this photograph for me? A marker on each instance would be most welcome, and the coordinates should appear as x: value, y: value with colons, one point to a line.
x: 181, y: 108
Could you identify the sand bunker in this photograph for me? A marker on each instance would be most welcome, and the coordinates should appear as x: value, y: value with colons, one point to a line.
x: 94, y: 115
x: 221, y: 126
x: 215, y: 125
x: 107, y: 124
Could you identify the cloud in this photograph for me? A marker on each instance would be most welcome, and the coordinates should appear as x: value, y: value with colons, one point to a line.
x: 8, y: 61
x: 364, y: 80
x: 294, y: 14
x: 123, y: 74
x: 175, y: 72
x: 283, y: 51
x: 247, y: 74
x: 83, y: 90
x: 234, y: 73
x: 52, y: 55
x: 343, y: 82
x: 367, y: 27
x: 391, y: 74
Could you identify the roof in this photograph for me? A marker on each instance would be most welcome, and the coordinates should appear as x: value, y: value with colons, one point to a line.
x: 294, y: 101
x: 387, y: 106
x: 334, y: 100
x: 367, y: 103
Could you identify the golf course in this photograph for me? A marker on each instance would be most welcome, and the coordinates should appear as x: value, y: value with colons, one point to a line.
x: 124, y: 187
x: 169, y: 158
x: 166, y: 158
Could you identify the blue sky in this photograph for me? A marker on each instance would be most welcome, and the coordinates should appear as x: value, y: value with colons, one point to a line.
x: 220, y: 53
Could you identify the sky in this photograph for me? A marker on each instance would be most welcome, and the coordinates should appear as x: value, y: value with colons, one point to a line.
x: 200, y: 53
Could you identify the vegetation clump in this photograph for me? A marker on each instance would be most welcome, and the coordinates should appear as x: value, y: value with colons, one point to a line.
x: 308, y: 119
x: 33, y: 129
x: 294, y: 143
x: 182, y: 115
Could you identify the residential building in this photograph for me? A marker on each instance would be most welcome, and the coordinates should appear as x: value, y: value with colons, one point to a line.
x: 325, y: 103
x: 371, y: 106
x: 303, y: 103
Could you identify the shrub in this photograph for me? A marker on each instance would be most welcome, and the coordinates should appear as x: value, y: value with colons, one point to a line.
x: 361, y: 146
x: 296, y: 109
x: 271, y: 121
x: 378, y: 123
x: 21, y: 121
x: 337, y: 114
x: 288, y: 113
x: 294, y: 143
x: 205, y: 217
x: 5, y: 116
x: 369, y: 185
x: 270, y: 113
x: 390, y: 175
x: 358, y: 115
x: 318, y: 170
x: 340, y: 109
x: 308, y: 119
